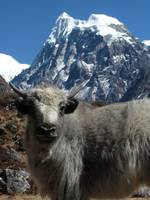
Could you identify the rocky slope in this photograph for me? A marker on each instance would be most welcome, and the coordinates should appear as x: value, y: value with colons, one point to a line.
x: 100, y: 50
x: 4, y: 87
x: 13, y: 175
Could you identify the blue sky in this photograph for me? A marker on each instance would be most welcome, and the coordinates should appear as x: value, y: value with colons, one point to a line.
x: 26, y: 24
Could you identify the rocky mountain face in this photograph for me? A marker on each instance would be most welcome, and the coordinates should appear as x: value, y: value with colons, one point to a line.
x: 99, y: 50
x: 141, y: 87
x: 147, y: 46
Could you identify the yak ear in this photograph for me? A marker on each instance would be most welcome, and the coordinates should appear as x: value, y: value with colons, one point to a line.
x: 22, y: 106
x: 69, y: 106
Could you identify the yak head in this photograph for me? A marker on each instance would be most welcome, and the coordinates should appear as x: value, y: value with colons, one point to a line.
x: 45, y: 108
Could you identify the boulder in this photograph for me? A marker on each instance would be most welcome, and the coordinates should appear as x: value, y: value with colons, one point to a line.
x: 14, y: 181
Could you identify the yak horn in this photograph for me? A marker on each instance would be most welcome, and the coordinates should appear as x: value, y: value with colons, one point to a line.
x: 75, y: 90
x: 19, y: 92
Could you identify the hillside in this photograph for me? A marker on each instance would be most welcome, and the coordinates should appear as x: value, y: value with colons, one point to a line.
x: 14, y: 177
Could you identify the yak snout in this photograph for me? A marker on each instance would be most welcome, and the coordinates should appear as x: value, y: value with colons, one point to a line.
x: 46, y: 132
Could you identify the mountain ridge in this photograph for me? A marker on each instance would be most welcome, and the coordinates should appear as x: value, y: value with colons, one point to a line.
x: 110, y: 61
x: 104, y: 25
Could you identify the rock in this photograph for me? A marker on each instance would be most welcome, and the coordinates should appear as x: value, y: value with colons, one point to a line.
x: 17, y: 181
x: 9, y: 154
x: 2, y: 131
x: 14, y: 181
x: 11, y: 127
x: 142, y: 192
x: 3, y: 186
x: 20, y: 144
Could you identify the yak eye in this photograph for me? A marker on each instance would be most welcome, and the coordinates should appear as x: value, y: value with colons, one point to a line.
x: 62, y: 106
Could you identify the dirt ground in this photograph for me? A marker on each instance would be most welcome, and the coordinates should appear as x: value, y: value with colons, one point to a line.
x: 20, y: 197
x: 37, y: 197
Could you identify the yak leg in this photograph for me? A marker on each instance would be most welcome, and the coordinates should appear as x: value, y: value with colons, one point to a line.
x: 72, y: 193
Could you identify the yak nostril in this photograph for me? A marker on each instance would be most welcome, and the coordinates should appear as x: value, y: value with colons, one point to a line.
x: 46, y: 133
x: 52, y: 132
x: 48, y: 129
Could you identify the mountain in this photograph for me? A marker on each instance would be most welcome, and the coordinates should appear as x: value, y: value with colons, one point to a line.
x: 141, y: 87
x: 147, y: 42
x: 100, y: 50
x: 9, y: 67
x: 147, y: 46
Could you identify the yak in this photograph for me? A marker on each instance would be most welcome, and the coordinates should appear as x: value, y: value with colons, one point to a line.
x: 78, y: 151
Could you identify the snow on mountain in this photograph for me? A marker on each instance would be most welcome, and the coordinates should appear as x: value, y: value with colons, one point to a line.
x: 100, y: 50
x: 109, y: 27
x: 9, y: 67
x: 146, y: 42
x: 147, y: 46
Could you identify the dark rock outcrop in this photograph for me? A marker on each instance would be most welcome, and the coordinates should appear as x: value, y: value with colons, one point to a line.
x: 14, y: 181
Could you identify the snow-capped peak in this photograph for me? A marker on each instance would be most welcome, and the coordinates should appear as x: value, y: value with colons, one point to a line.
x: 146, y: 42
x: 9, y: 67
x: 102, y: 20
x: 64, y: 15
x: 102, y: 24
